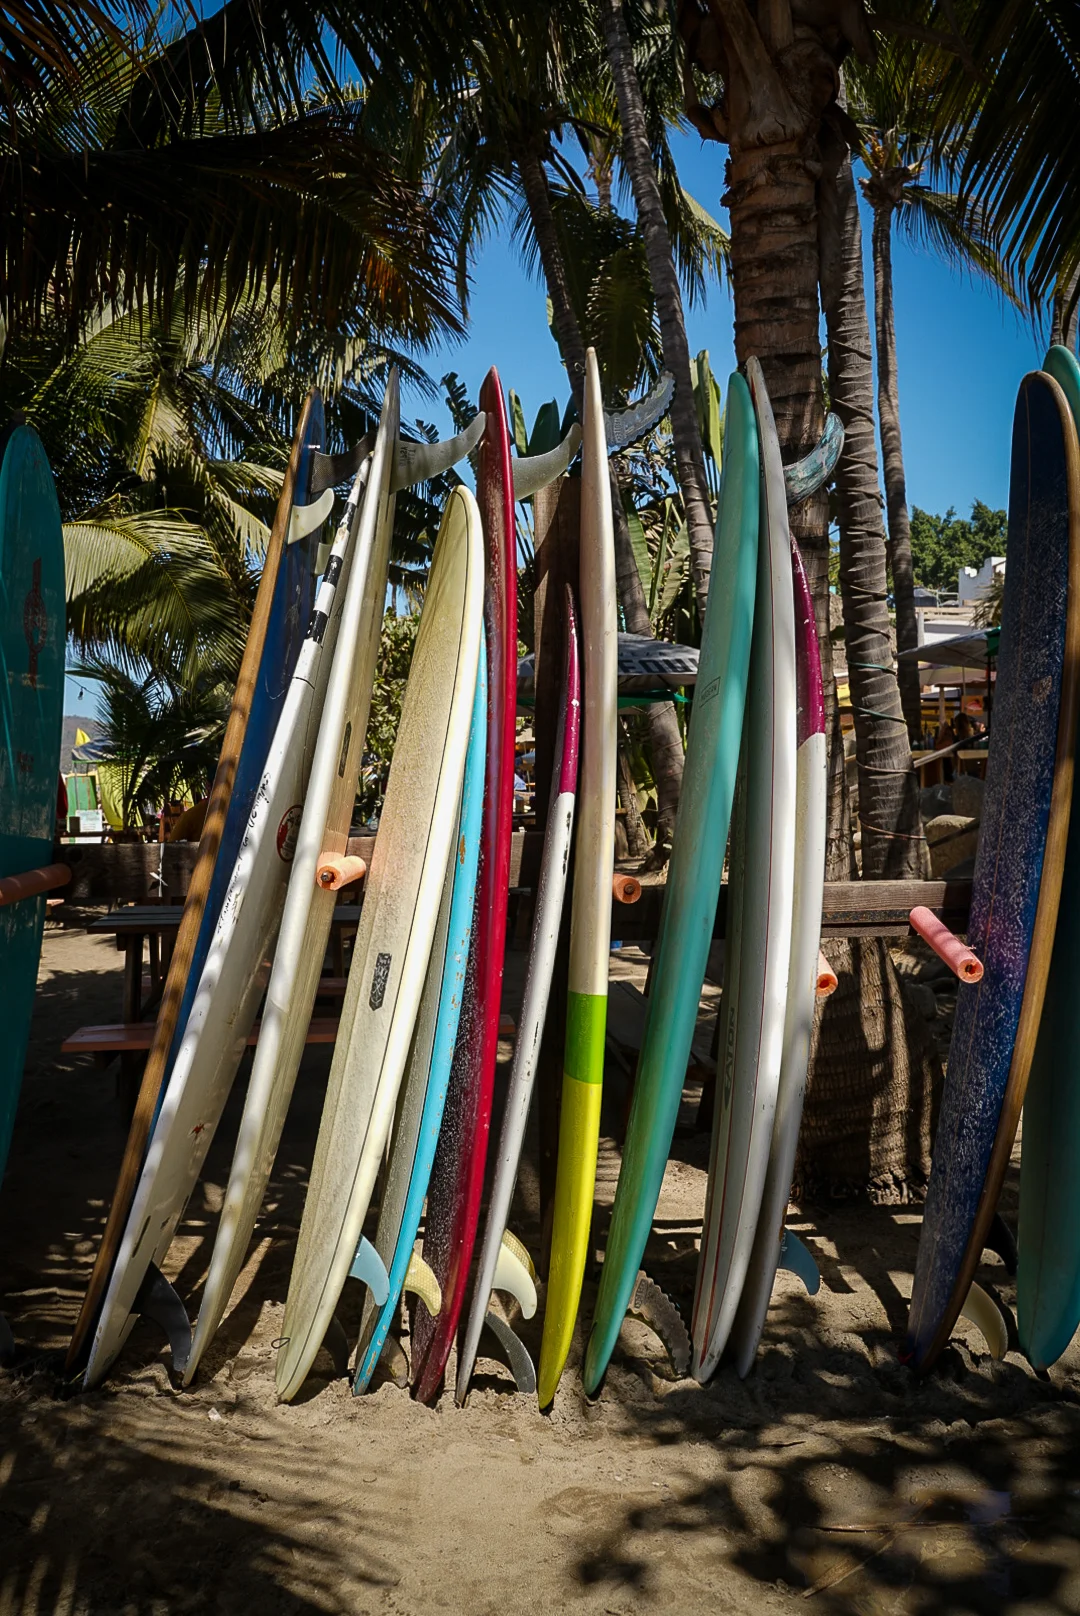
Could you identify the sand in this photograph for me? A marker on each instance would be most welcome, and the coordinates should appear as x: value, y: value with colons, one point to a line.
x: 832, y: 1480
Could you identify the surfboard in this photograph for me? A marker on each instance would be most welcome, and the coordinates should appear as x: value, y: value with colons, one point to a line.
x: 31, y: 710
x: 420, y: 1110
x: 773, y: 1245
x: 499, y: 1266
x: 1048, y: 1234
x: 694, y: 874
x: 590, y: 921
x: 230, y: 984
x: 284, y: 593
x: 757, y: 954
x: 1016, y: 886
x: 417, y: 830
x: 457, y: 1175
x: 308, y: 910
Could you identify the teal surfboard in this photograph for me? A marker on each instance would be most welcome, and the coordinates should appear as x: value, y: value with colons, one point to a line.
x: 693, y: 884
x: 1048, y: 1237
x: 31, y: 710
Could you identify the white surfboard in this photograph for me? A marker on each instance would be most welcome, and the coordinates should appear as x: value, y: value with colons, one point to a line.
x: 760, y: 897
x: 394, y: 940
x: 309, y: 908
x: 773, y: 1245
x: 234, y: 976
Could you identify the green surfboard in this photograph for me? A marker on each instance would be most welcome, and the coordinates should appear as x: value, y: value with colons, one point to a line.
x: 693, y: 884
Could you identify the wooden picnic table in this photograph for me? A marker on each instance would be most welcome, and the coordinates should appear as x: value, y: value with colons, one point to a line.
x: 137, y: 927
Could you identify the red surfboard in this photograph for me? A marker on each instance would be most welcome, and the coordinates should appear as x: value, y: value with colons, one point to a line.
x: 457, y: 1177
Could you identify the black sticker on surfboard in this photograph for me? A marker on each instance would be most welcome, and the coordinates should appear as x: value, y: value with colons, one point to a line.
x: 379, y: 981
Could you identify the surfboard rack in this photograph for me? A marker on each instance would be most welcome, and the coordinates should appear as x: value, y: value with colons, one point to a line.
x: 514, y: 1352
x: 158, y: 1301
x: 656, y: 1309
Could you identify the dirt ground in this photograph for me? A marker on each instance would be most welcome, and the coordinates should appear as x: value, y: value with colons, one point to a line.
x: 831, y: 1480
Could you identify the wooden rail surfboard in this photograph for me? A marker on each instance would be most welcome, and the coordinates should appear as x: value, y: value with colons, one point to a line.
x: 393, y: 944
x: 693, y: 883
x: 275, y: 631
x: 32, y: 640
x: 230, y: 984
x: 590, y: 926
x: 457, y: 1176
x: 1016, y: 888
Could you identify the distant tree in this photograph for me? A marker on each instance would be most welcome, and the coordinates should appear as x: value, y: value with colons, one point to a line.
x: 941, y: 545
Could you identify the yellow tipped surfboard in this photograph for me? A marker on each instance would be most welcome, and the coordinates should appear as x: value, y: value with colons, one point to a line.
x: 590, y: 934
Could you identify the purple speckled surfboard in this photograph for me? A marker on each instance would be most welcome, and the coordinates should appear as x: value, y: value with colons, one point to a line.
x: 1017, y: 882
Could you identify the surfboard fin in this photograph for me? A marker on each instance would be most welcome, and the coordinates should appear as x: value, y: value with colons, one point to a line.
x: 514, y: 1351
x: 369, y: 1268
x: 304, y: 519
x: 515, y: 1274
x: 421, y: 1281
x: 985, y: 1314
x: 157, y: 1300
x: 656, y: 1309
x: 393, y: 1362
x: 1000, y: 1240
x: 623, y: 427
x: 533, y: 472
x: 796, y: 1258
x: 419, y: 462
x: 336, y: 1343
x: 813, y: 471
x: 329, y: 470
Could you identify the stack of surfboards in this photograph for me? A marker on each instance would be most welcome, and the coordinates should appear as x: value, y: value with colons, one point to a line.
x: 410, y: 1090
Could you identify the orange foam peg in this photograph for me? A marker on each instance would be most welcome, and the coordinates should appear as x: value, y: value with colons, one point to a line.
x: 627, y: 888
x: 337, y: 870
x: 826, y: 977
x: 957, y: 955
x: 14, y: 888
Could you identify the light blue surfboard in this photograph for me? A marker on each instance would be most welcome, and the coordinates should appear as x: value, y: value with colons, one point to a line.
x: 420, y: 1111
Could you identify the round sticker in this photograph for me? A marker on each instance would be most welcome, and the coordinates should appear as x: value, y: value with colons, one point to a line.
x: 288, y: 831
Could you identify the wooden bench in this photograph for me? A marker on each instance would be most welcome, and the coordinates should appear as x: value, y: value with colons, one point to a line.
x: 135, y: 1037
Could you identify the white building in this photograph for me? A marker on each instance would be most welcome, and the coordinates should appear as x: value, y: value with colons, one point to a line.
x: 973, y: 583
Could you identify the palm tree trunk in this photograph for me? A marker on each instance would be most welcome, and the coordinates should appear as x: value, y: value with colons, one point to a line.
x: 892, y: 460
x: 637, y: 155
x: 665, y: 739
x: 893, y: 845
x: 771, y: 117
x: 637, y: 837
x: 1064, y: 314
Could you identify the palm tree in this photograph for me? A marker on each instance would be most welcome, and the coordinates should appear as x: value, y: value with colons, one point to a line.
x: 121, y: 190
x: 895, y: 146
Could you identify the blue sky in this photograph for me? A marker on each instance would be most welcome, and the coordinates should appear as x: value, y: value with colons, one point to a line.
x: 961, y: 354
